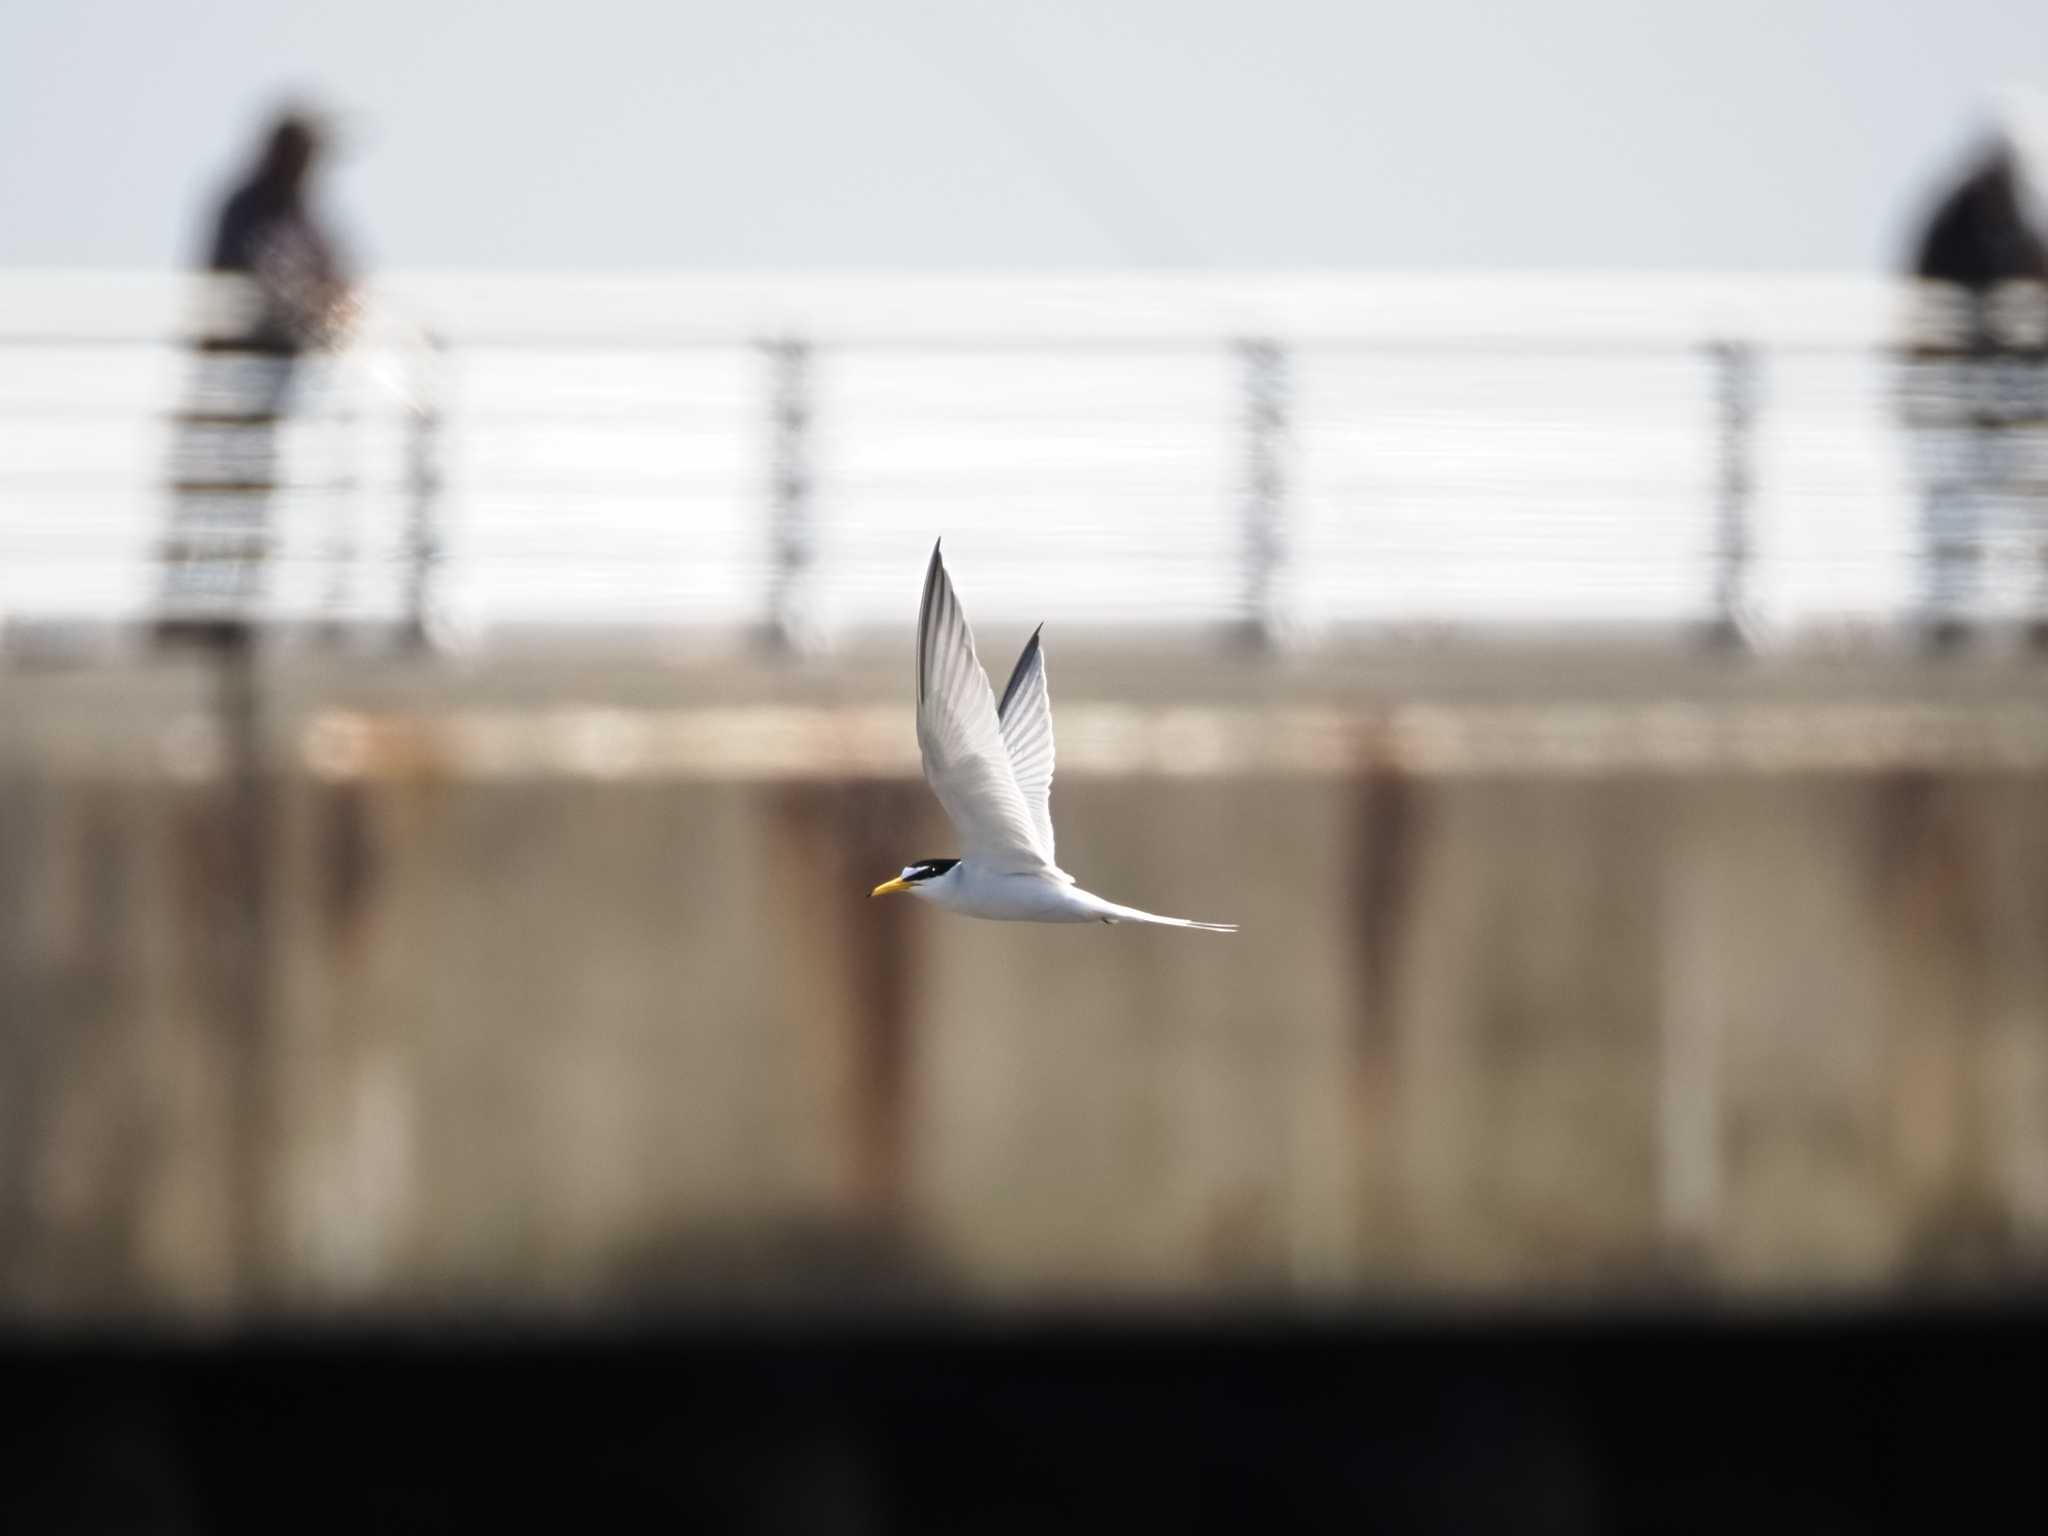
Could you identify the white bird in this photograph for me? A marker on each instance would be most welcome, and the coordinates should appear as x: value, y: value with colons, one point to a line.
x: 990, y: 765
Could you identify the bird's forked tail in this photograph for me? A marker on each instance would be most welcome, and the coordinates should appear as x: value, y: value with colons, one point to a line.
x: 1112, y: 913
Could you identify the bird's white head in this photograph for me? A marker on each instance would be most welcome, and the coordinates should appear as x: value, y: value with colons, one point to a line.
x: 914, y: 876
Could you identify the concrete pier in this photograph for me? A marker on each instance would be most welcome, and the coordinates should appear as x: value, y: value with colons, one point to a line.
x: 1563, y: 973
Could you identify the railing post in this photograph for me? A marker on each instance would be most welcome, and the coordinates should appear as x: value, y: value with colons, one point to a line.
x: 423, y: 490
x: 1735, y: 389
x: 346, y: 422
x: 1263, y: 374
x: 793, y: 546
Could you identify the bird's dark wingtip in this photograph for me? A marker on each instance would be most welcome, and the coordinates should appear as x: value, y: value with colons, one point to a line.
x: 933, y: 578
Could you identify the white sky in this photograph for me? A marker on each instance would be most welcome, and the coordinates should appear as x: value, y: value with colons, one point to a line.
x: 791, y: 134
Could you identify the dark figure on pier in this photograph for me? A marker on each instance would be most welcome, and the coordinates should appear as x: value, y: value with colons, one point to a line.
x: 282, y: 288
x: 1979, y: 235
x: 267, y: 231
x: 1978, y: 381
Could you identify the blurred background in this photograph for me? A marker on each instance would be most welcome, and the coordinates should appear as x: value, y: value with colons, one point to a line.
x: 1541, y: 517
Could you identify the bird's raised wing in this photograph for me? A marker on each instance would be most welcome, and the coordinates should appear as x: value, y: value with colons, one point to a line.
x: 1025, y: 715
x: 965, y: 761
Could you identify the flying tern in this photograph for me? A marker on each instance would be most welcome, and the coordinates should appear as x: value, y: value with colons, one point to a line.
x: 990, y: 764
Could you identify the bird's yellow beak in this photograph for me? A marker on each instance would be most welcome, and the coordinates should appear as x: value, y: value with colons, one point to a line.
x: 889, y: 887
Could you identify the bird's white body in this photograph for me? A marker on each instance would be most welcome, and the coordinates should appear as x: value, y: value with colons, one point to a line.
x: 990, y: 765
x: 970, y: 890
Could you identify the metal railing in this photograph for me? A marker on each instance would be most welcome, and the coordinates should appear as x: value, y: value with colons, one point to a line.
x: 1123, y: 470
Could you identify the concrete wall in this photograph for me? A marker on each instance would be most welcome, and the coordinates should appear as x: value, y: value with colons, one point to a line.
x: 569, y: 1042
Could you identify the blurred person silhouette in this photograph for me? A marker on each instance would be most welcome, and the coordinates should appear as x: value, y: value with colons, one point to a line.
x: 282, y: 288
x: 1977, y: 401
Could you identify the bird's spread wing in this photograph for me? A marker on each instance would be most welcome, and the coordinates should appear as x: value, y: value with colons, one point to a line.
x: 965, y: 760
x: 1025, y: 715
